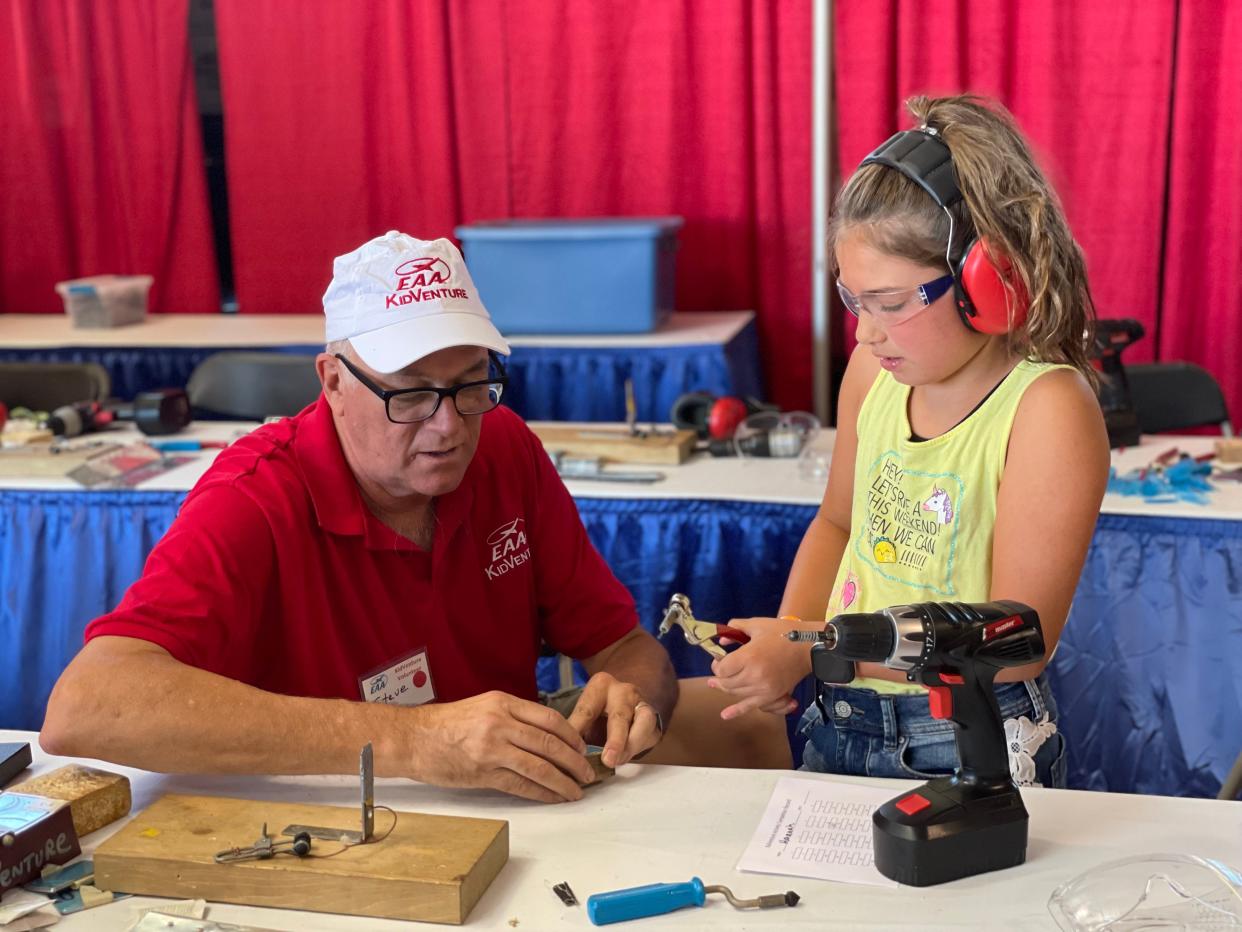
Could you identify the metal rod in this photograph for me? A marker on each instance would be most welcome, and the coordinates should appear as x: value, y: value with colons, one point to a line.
x: 789, y: 898
x: 821, y: 178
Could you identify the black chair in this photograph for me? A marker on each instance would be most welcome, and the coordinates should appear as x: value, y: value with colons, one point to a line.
x: 1176, y: 396
x: 253, y: 386
x: 44, y: 386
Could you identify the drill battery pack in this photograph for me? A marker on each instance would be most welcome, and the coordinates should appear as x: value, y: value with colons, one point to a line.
x: 947, y: 829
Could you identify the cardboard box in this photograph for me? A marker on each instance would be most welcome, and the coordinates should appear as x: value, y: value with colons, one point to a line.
x: 103, y: 301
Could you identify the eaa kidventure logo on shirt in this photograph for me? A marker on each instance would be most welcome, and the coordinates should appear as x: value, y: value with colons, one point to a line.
x: 415, y: 278
x: 508, y: 548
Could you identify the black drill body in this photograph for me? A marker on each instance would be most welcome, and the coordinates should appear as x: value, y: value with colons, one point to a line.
x: 155, y: 413
x: 973, y: 821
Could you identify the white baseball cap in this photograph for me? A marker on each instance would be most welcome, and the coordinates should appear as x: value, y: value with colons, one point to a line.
x: 398, y: 299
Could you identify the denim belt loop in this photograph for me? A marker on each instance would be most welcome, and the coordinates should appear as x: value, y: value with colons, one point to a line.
x: 888, y: 712
x: 1037, y: 698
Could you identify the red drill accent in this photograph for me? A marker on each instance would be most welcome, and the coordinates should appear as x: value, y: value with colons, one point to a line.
x: 913, y: 803
x: 1000, y: 627
x: 941, y: 701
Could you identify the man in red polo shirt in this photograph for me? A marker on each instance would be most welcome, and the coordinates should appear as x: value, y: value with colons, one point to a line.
x: 382, y: 567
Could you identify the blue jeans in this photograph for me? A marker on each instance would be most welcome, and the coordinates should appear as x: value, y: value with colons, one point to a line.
x: 870, y: 734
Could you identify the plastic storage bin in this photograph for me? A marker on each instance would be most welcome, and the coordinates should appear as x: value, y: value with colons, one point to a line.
x: 596, y: 275
x: 106, y: 300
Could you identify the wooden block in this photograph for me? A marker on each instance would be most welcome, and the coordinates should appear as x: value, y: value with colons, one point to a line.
x: 429, y: 868
x: 21, y: 432
x: 1229, y: 450
x: 667, y: 448
x: 96, y: 797
x: 39, y: 460
x: 92, y: 896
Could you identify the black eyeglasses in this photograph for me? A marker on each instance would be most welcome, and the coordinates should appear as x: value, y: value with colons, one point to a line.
x: 410, y: 405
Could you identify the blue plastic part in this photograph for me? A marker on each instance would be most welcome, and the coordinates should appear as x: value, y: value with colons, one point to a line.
x: 1183, y: 481
x: 604, y: 275
x: 651, y: 900
x: 584, y: 228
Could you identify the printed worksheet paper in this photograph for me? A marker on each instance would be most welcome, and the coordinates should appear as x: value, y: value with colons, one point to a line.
x: 814, y: 828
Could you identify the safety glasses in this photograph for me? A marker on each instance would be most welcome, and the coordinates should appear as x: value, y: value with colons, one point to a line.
x: 894, y: 307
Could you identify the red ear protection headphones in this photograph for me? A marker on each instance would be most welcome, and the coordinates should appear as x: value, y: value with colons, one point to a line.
x: 979, y: 290
x: 713, y: 417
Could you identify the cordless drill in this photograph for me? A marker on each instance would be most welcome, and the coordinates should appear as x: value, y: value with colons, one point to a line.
x: 155, y: 413
x: 973, y: 821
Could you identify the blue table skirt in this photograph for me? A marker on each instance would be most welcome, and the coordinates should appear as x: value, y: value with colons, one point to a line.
x: 1146, y: 673
x: 546, y: 383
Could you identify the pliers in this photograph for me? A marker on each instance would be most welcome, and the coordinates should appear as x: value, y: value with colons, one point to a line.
x: 699, y: 633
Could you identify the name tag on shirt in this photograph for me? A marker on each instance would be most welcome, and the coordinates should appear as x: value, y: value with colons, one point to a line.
x: 406, y: 682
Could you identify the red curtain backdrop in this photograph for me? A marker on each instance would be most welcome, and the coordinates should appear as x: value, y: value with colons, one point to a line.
x: 419, y: 116
x: 339, y: 125
x: 101, y: 164
x: 1202, y: 311
x: 1089, y: 85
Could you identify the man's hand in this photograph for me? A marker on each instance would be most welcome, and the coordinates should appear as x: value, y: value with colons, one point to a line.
x: 496, y: 740
x: 616, y: 712
x: 762, y: 673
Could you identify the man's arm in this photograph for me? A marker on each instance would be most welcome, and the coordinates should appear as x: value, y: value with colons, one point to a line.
x: 160, y: 684
x: 631, y: 690
x: 131, y: 702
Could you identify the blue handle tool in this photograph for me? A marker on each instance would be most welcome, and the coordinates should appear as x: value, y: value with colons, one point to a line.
x: 192, y: 446
x: 650, y: 900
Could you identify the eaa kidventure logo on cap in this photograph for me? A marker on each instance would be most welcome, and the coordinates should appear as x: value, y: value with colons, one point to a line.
x: 415, y: 278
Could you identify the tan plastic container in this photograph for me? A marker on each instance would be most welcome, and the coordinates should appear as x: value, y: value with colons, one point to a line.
x: 106, y: 300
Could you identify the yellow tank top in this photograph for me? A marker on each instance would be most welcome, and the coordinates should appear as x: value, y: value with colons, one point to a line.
x: 924, y: 512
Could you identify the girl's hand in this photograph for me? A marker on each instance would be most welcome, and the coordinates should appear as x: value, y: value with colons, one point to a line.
x: 763, y: 673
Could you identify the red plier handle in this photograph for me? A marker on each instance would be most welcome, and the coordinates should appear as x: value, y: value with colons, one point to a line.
x: 733, y: 634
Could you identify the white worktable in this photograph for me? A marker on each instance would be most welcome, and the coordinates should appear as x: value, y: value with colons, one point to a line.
x: 51, y: 331
x: 778, y: 481
x: 653, y: 824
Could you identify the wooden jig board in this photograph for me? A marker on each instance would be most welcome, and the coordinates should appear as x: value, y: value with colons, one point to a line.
x: 37, y: 459
x: 669, y: 447
x: 429, y: 868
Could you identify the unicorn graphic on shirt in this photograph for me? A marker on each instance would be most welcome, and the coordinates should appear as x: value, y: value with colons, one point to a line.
x: 941, y: 504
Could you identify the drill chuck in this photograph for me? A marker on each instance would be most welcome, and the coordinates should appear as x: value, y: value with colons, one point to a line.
x: 865, y: 637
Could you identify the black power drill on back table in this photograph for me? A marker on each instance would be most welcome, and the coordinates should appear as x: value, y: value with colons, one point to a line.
x: 973, y: 821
